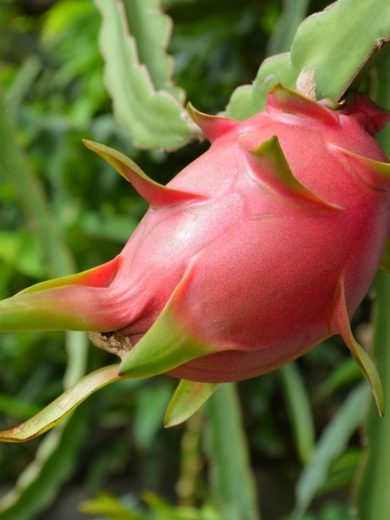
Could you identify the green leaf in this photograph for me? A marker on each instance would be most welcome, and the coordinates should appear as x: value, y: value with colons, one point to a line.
x: 335, y: 48
x: 151, y: 30
x: 62, y: 406
x: 293, y: 13
x: 241, y: 104
x: 150, y: 403
x: 189, y: 396
x: 332, y: 443
x: 231, y: 478
x: 299, y: 410
x: 153, y: 117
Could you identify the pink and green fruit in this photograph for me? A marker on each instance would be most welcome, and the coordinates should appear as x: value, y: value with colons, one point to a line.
x: 254, y: 253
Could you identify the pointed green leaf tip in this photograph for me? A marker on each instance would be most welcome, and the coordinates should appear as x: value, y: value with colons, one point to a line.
x: 62, y: 406
x: 189, y: 396
x: 270, y: 167
x: 283, y: 99
x: 375, y: 174
x: 167, y: 344
x: 366, y: 364
x: 156, y: 194
x: 212, y: 126
x: 100, y: 276
x: 74, y: 302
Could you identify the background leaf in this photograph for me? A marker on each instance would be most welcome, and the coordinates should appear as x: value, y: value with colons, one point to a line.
x: 299, y: 410
x: 333, y: 442
x: 231, y: 477
x: 60, y: 262
x: 151, y: 30
x: 294, y: 11
x: 153, y: 117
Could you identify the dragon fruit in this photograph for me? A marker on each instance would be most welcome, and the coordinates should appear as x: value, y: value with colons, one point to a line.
x: 258, y: 250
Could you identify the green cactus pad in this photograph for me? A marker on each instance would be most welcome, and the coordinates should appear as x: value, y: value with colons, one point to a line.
x: 137, y: 74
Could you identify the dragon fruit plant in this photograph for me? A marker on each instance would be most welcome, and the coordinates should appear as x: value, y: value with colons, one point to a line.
x: 257, y: 251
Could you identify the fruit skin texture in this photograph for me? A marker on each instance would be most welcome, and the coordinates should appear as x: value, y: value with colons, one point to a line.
x: 258, y: 250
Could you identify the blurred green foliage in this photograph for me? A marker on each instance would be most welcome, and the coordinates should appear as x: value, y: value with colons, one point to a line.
x: 51, y: 75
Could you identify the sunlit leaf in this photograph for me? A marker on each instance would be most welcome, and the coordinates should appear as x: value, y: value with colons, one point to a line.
x: 332, y: 443
x: 327, y: 43
x: 154, y: 118
x: 299, y: 410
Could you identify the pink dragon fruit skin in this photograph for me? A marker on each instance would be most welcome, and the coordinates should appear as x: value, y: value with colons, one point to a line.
x: 258, y: 250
